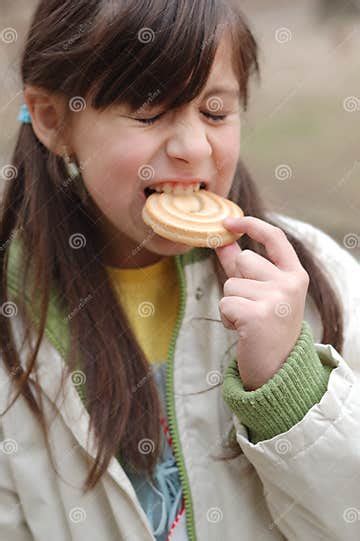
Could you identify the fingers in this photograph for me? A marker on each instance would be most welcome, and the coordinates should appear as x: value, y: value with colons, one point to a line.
x: 247, y: 264
x: 247, y: 289
x: 234, y: 311
x: 278, y: 248
x: 254, y: 266
x: 227, y: 324
x: 228, y: 256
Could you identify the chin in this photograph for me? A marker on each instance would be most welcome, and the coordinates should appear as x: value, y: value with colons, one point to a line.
x: 164, y: 246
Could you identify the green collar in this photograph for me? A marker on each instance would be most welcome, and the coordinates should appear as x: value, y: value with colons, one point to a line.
x: 57, y: 322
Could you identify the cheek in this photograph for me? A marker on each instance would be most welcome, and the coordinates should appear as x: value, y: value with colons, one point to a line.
x: 117, y: 169
x: 228, y: 155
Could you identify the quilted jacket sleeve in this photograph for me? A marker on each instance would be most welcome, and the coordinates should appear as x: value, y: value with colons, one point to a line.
x: 310, y: 468
x: 284, y: 399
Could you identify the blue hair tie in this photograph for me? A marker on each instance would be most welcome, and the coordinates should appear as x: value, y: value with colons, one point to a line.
x: 24, y: 115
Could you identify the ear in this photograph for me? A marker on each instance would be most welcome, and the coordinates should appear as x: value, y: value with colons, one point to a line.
x: 48, y: 112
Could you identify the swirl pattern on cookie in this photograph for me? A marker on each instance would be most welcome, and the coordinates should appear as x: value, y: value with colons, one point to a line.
x: 194, y: 219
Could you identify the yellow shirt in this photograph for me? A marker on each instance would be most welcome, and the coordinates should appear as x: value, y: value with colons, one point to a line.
x: 150, y: 298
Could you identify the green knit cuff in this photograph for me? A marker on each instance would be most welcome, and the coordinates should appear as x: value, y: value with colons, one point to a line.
x: 284, y: 399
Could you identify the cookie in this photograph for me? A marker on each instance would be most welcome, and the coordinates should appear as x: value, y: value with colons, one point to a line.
x: 194, y: 219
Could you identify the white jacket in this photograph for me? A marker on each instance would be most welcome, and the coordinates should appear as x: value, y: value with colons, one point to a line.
x: 310, y: 492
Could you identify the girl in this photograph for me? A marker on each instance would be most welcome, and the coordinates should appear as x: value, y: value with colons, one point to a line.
x: 151, y: 391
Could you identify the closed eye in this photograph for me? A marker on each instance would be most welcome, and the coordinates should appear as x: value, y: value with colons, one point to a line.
x: 149, y: 120
x: 215, y: 117
x: 152, y: 120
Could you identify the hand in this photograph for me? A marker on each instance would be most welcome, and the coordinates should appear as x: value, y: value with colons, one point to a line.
x: 264, y: 301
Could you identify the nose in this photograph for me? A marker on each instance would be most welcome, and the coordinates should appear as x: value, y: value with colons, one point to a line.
x: 188, y: 140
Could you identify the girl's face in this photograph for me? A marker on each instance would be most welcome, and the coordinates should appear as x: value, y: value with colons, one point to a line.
x: 116, y: 150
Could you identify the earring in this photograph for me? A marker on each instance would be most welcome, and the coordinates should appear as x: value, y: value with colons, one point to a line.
x: 74, y: 173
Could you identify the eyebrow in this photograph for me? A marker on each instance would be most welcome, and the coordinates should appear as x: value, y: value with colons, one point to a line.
x: 230, y: 91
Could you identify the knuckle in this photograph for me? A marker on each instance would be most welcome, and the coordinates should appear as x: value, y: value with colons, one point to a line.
x: 279, y: 232
x: 279, y: 297
x: 227, y: 324
x: 227, y: 286
x: 222, y: 303
x: 290, y: 285
x: 246, y: 253
x: 244, y: 256
x: 295, y: 282
x: 305, y: 278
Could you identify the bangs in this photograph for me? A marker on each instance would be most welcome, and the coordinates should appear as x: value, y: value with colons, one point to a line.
x: 161, y: 53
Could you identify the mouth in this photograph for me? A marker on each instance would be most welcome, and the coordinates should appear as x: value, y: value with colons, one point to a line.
x: 149, y: 191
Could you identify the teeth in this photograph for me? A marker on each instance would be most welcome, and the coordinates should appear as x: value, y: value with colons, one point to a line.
x: 178, y: 189
x: 189, y: 189
x: 167, y: 188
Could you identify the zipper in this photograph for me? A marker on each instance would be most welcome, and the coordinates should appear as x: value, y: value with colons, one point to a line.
x: 170, y: 408
x: 170, y: 403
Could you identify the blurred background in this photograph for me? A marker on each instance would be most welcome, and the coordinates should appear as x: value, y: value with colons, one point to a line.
x: 300, y: 136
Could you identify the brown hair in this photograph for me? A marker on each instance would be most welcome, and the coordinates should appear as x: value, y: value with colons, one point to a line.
x: 91, y: 48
